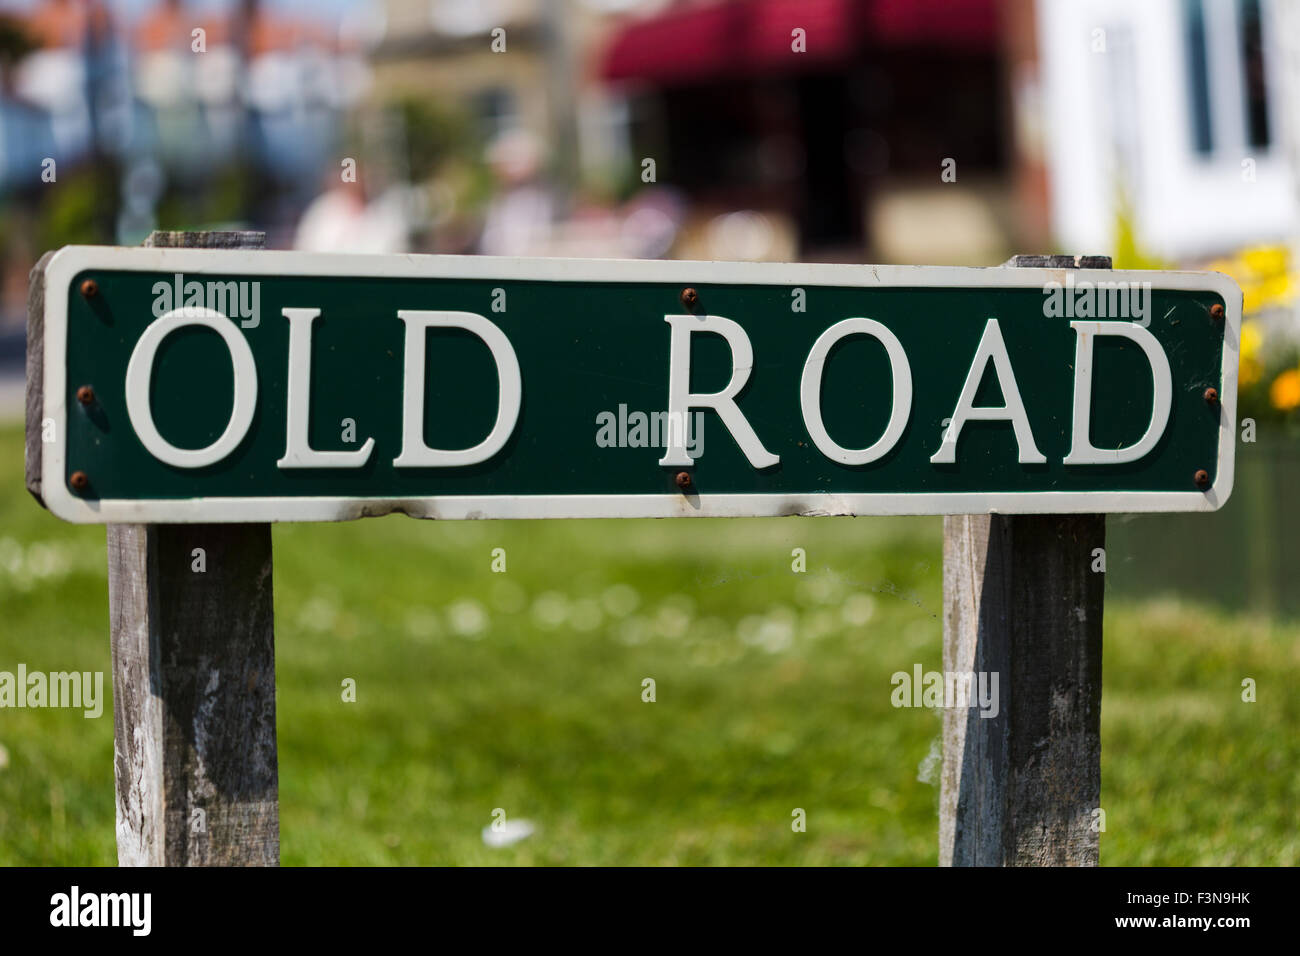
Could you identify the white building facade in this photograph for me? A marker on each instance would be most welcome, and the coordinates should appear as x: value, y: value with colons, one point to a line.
x: 1168, y: 115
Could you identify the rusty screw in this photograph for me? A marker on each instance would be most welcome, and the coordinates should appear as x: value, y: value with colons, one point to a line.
x: 1212, y: 395
x: 78, y: 480
x: 1216, y: 311
x: 683, y: 480
x: 85, y: 394
x: 89, y: 288
x: 1202, y: 478
x: 690, y: 298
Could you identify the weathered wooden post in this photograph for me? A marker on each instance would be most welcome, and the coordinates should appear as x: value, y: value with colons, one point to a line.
x: 193, y: 663
x: 1021, y: 600
x: 194, y: 680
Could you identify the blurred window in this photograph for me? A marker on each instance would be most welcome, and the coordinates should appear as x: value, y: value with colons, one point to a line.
x: 496, y: 112
x: 1228, y: 75
x: 1198, y: 75
x: 1254, y: 79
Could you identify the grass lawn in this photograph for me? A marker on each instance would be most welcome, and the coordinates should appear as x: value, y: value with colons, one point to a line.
x: 522, y: 691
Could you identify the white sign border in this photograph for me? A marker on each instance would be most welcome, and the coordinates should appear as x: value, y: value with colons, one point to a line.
x: 69, y: 261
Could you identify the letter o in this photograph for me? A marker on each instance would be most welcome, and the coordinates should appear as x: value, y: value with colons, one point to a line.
x: 139, y: 374
x: 811, y: 383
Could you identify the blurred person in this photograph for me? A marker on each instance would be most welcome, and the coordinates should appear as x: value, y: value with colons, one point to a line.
x: 341, y: 219
x: 520, y: 218
x: 651, y: 221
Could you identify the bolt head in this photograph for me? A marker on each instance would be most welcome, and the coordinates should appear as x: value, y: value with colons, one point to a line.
x: 690, y: 298
x: 1202, y: 478
x: 683, y: 480
x: 1212, y: 395
x: 79, y: 480
x: 1216, y: 311
x: 89, y: 287
x: 85, y: 394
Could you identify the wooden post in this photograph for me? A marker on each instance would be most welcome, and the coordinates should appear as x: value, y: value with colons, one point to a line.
x: 1021, y: 600
x: 194, y: 681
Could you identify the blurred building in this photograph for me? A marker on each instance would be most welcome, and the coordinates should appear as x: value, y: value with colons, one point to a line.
x: 173, y: 94
x: 839, y: 117
x: 939, y: 131
x: 1170, y: 113
x: 116, y: 119
x: 521, y: 67
x: 810, y: 129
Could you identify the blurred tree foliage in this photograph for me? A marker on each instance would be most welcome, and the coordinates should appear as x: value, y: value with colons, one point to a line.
x: 433, y: 135
x: 230, y: 197
x: 82, y: 210
x: 436, y: 142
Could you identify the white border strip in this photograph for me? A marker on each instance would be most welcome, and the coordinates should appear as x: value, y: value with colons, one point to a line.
x: 67, y: 262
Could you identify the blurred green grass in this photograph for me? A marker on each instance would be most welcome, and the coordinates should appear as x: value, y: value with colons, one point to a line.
x: 522, y: 691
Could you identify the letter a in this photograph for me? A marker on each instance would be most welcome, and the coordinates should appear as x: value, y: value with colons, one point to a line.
x: 991, y: 347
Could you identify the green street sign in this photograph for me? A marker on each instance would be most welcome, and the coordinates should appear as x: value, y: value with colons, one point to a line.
x: 185, y: 385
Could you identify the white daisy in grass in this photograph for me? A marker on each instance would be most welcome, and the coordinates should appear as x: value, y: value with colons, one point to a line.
x: 467, y: 618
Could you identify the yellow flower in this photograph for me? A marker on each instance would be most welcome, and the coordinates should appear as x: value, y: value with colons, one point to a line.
x: 1251, y: 340
x: 1265, y: 294
x: 1276, y: 290
x: 1285, y: 390
x: 1250, y: 372
x: 1265, y: 261
x: 1262, y: 274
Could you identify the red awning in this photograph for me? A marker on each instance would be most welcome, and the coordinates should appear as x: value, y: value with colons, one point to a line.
x: 970, y: 25
x: 678, y: 46
x: 736, y: 37
x: 831, y: 31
